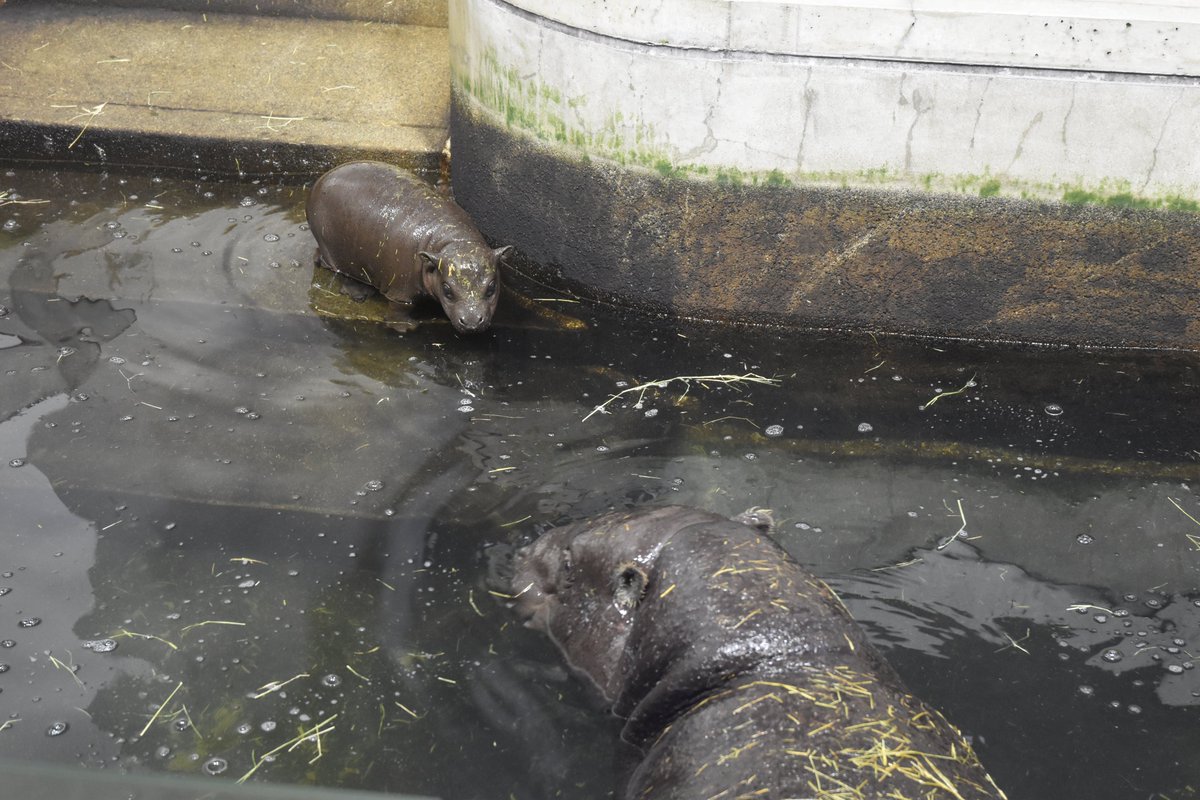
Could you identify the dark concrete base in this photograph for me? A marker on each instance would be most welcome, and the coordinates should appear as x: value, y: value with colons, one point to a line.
x: 818, y: 257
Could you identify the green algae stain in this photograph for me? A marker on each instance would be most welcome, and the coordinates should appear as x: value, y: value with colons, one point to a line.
x: 545, y: 112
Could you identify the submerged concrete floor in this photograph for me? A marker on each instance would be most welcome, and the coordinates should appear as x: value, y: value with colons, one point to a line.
x: 228, y: 91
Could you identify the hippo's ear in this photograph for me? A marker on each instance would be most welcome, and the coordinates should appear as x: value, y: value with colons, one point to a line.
x: 761, y: 519
x: 629, y: 585
x: 429, y: 261
x: 501, y: 252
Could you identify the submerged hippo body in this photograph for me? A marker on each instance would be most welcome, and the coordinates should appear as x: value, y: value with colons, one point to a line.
x: 385, y: 227
x: 739, y: 673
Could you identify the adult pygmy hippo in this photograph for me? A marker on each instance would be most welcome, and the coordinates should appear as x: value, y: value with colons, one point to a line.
x: 385, y: 227
x: 739, y: 673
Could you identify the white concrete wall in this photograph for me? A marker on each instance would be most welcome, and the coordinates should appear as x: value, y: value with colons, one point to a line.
x: 1062, y: 99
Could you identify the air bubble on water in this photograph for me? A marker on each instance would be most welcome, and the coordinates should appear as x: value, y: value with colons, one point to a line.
x: 651, y: 412
x: 57, y: 729
x: 100, y: 645
x: 253, y: 415
x: 181, y: 724
x: 29, y: 622
x: 466, y: 409
x: 249, y: 583
x: 1084, y: 538
x: 267, y: 726
x: 215, y: 766
x: 241, y: 410
x: 244, y: 728
x: 750, y: 456
x: 246, y: 202
x: 4, y: 668
x: 271, y: 237
x: 774, y: 430
x: 373, y: 485
x: 10, y: 225
x: 126, y: 418
x: 865, y: 427
x: 1086, y: 691
x: 162, y: 752
x: 1135, y: 709
x: 601, y: 448
x: 1174, y: 669
x: 274, y: 265
x: 1054, y: 409
x: 17, y: 462
x: 7, y: 644
x: 1112, y: 656
x: 116, y: 360
x: 332, y: 680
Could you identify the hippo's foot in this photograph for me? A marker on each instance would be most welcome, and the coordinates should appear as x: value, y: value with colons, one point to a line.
x: 399, y: 318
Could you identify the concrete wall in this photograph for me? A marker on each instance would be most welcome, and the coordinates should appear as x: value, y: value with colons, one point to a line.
x: 1067, y: 106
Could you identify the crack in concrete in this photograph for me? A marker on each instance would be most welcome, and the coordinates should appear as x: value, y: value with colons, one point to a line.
x: 710, y: 140
x: 919, y: 109
x: 1161, y: 133
x: 809, y: 96
x: 1033, y: 123
x: 1067, y: 116
x: 913, y: 11
x: 979, y: 111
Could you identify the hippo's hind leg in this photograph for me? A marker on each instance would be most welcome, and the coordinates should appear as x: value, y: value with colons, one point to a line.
x: 399, y: 317
x: 346, y: 283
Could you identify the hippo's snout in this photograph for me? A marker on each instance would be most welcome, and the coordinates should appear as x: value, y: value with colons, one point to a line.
x: 469, y: 319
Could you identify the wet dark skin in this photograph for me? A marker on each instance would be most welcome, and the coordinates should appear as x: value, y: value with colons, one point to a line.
x: 738, y: 672
x: 383, y: 226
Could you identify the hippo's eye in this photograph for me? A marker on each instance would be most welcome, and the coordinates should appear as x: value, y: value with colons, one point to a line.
x: 447, y: 292
x: 490, y: 290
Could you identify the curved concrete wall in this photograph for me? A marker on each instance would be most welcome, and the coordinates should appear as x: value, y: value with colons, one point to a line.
x: 740, y: 105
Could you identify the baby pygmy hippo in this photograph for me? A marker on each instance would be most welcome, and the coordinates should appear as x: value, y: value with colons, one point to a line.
x: 739, y: 673
x: 385, y: 227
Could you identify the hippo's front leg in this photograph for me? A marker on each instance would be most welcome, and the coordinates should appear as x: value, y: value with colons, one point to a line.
x: 399, y: 317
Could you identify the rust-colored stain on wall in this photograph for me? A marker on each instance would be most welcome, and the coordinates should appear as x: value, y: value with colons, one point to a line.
x: 808, y: 257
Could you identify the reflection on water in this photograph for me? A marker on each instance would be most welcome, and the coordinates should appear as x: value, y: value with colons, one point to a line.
x: 280, y: 513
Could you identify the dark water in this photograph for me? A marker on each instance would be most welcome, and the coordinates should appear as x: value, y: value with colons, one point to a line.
x: 206, y: 459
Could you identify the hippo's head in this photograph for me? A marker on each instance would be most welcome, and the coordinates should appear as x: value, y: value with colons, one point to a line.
x: 658, y: 607
x: 582, y: 584
x: 465, y: 280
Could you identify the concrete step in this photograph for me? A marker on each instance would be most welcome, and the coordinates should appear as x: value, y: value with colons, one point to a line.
x: 218, y: 91
x: 400, y: 12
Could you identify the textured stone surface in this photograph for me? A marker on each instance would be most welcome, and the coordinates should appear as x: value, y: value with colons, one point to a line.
x: 219, y: 92
x: 913, y: 263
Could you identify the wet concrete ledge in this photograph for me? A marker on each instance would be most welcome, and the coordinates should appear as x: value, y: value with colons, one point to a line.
x: 223, y: 92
